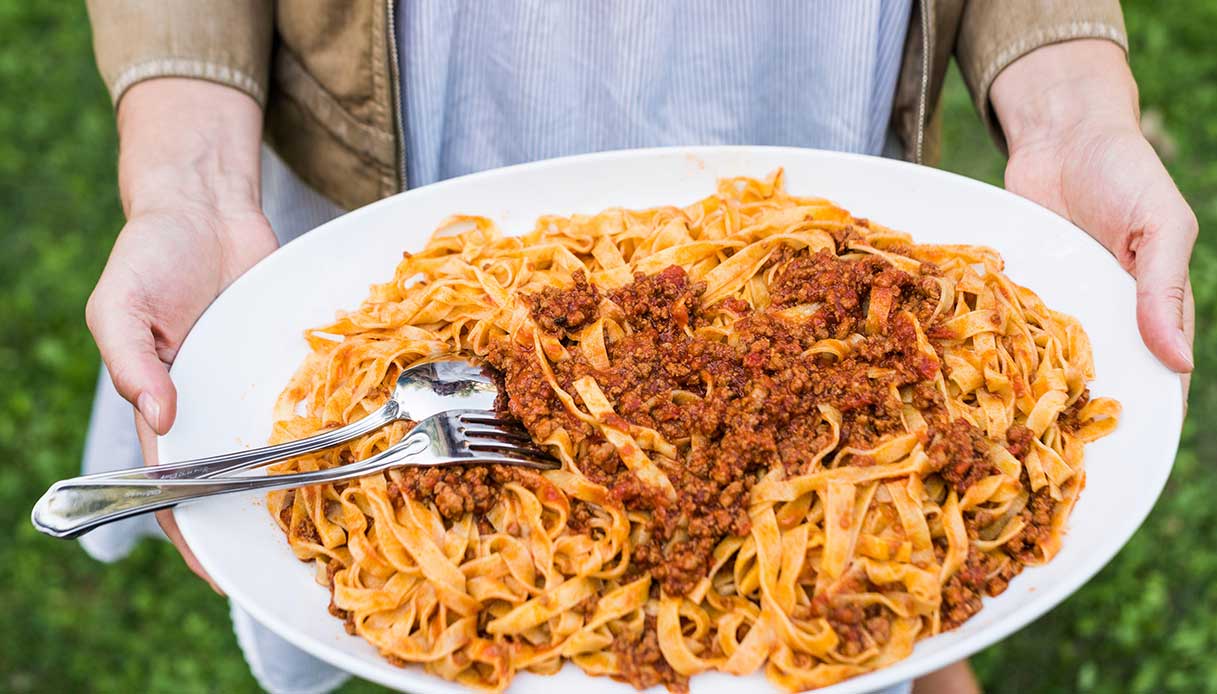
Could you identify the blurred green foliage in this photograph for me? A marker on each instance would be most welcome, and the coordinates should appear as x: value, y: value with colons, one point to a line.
x: 145, y: 624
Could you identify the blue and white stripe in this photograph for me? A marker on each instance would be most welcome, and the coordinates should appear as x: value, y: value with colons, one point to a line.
x: 489, y: 83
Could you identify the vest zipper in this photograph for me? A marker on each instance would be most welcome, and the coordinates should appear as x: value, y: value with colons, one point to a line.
x: 395, y: 74
x: 923, y: 98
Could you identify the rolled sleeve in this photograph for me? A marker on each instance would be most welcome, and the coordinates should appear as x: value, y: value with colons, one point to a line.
x: 995, y: 33
x: 222, y: 41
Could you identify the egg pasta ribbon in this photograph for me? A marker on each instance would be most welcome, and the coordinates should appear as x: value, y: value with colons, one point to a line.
x: 793, y: 441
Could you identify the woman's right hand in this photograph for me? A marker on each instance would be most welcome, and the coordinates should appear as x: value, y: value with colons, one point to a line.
x: 189, y: 180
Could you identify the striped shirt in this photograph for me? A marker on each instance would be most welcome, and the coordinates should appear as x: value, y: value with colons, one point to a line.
x: 492, y: 83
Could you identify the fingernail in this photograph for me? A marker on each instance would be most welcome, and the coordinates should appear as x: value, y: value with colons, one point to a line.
x: 151, y: 410
x: 1184, y: 350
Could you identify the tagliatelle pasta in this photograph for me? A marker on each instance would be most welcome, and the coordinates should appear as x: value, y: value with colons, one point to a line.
x: 792, y: 441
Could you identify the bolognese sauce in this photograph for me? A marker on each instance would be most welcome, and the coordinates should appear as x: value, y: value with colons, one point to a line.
x: 754, y: 406
x: 754, y: 378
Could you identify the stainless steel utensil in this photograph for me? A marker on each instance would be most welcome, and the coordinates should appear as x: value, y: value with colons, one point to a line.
x: 73, y: 507
x: 421, y: 391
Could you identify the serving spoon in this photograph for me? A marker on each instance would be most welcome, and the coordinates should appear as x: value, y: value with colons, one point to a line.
x: 451, y: 399
x: 422, y: 390
x: 73, y: 507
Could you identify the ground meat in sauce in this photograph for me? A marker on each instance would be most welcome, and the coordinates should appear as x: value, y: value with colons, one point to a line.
x: 860, y: 627
x: 757, y: 395
x: 843, y: 288
x: 755, y: 408
x: 642, y: 663
x: 1037, y: 517
x: 566, y: 310
x: 458, y: 490
x: 659, y: 300
x: 981, y: 574
x: 960, y: 453
x: 962, y: 593
x: 348, y: 620
x: 990, y: 574
x: 581, y: 516
x: 1018, y: 440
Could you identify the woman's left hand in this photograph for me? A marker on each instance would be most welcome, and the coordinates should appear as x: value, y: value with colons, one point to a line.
x: 1070, y: 115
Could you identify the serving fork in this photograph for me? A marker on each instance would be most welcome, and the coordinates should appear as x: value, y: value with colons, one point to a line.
x: 419, y: 392
x: 73, y: 507
x: 451, y: 398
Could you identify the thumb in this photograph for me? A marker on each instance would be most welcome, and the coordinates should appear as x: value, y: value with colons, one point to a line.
x: 1161, y: 271
x: 128, y: 348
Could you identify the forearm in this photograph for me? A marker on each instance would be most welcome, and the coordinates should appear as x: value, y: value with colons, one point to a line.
x: 1061, y: 88
x: 188, y: 142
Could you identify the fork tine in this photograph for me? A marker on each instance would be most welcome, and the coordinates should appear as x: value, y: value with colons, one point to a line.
x: 477, y: 423
x: 487, y: 419
x: 487, y: 436
x: 498, y: 434
x: 501, y: 447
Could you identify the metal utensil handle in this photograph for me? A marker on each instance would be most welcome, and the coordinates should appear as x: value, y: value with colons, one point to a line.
x: 73, y: 507
x: 212, y: 466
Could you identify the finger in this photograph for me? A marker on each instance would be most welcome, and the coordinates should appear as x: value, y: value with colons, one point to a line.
x: 128, y: 348
x: 1161, y: 271
x: 147, y: 444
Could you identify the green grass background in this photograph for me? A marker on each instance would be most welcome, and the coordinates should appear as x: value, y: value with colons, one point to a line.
x: 1145, y: 624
